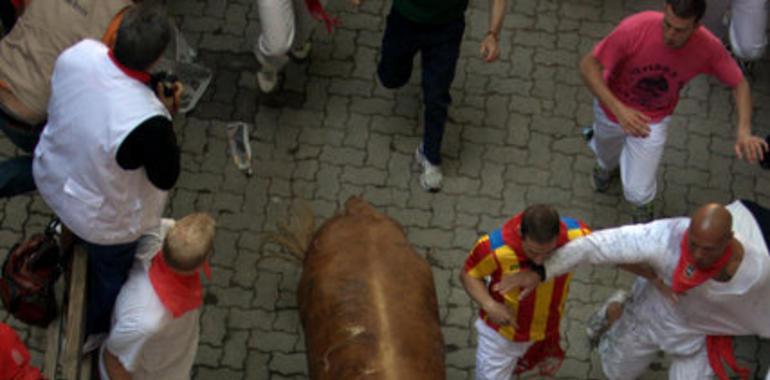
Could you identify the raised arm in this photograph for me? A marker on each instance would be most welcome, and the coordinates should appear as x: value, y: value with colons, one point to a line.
x: 637, y: 244
x: 623, y: 245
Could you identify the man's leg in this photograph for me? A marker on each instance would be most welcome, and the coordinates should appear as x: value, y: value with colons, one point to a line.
x: 496, y: 357
x: 397, y: 51
x: 108, y: 267
x: 748, y: 28
x: 639, y: 162
x: 16, y: 172
x: 439, y: 61
x: 276, y: 17
x: 695, y: 366
x: 626, y: 350
x: 606, y: 143
x: 761, y: 216
x: 440, y: 50
x: 304, y: 24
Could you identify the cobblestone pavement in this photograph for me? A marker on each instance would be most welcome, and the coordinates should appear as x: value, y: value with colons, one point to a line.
x: 512, y: 139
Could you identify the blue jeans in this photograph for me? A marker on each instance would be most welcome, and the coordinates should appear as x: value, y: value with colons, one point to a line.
x: 16, y: 173
x: 108, y: 267
x: 439, y: 47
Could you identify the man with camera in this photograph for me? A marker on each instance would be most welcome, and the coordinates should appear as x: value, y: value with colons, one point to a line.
x: 108, y: 154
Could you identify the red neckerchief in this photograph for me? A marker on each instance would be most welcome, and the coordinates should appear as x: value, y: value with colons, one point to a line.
x: 687, y: 275
x: 141, y: 76
x: 14, y: 357
x: 319, y: 13
x: 178, y: 293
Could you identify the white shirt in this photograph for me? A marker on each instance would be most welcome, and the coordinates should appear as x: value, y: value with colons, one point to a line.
x: 740, y: 306
x: 93, y: 107
x: 147, y: 340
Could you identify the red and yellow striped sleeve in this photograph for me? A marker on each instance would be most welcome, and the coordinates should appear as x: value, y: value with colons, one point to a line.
x: 574, y: 233
x: 481, y: 261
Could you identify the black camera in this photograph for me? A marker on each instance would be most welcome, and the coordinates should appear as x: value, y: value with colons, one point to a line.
x: 166, y: 79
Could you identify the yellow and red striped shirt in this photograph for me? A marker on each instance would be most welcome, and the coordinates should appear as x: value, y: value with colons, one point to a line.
x: 499, y: 253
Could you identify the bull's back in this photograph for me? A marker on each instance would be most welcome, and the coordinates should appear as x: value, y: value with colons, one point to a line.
x: 368, y: 302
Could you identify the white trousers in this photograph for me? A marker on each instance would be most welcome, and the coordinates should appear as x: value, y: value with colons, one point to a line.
x: 627, y: 351
x: 637, y: 157
x: 748, y: 28
x: 646, y: 327
x: 496, y: 357
x: 285, y: 24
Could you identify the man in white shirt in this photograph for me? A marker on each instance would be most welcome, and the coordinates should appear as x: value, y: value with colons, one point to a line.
x: 722, y: 268
x: 154, y: 332
x: 94, y: 166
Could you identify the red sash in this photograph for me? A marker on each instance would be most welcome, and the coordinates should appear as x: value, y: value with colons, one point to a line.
x: 178, y: 293
x: 319, y: 13
x: 721, y: 348
x: 545, y: 355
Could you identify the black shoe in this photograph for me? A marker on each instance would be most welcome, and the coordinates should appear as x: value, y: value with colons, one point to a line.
x: 588, y: 133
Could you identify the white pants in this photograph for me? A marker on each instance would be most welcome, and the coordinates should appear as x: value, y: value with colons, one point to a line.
x: 637, y: 157
x: 748, y: 28
x: 627, y: 351
x: 646, y: 327
x: 285, y: 24
x: 496, y: 357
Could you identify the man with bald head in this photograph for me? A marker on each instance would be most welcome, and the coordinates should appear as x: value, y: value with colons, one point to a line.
x: 718, y: 270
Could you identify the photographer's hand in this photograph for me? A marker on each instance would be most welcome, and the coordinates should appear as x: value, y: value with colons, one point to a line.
x: 171, y: 102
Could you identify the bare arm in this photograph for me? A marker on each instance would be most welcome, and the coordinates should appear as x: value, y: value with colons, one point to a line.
x: 633, y: 122
x: 475, y: 288
x: 115, y: 369
x: 646, y: 271
x: 490, y: 47
x: 747, y: 146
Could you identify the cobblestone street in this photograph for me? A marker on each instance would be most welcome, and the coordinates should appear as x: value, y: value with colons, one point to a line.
x: 513, y: 139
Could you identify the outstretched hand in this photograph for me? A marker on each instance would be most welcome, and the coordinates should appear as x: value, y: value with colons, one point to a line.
x: 526, y: 280
x: 750, y: 148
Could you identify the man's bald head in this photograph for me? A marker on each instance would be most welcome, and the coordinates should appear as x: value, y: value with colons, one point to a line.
x: 709, y: 234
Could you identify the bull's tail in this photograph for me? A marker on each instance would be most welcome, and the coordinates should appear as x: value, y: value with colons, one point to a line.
x: 297, y: 231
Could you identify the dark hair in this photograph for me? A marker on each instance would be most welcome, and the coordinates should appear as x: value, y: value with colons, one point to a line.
x: 143, y: 35
x: 540, y: 223
x: 688, y: 8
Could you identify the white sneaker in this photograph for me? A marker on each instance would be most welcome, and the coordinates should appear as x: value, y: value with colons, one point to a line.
x: 93, y: 342
x: 267, y: 79
x: 598, y: 323
x: 301, y: 53
x: 431, y: 176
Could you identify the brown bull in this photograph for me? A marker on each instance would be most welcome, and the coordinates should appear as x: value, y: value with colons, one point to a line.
x: 367, y: 301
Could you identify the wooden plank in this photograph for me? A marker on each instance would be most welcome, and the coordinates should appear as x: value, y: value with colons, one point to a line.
x: 53, y: 339
x: 85, y: 365
x: 75, y: 316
